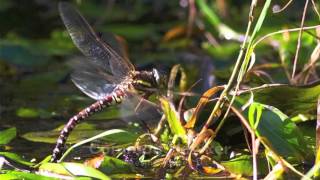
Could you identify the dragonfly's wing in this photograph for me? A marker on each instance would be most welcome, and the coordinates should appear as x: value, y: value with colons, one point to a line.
x: 92, y: 79
x: 136, y: 108
x: 117, y: 43
x: 91, y: 45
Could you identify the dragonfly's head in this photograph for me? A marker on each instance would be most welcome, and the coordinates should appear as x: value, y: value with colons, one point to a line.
x: 149, y: 81
x: 160, y: 79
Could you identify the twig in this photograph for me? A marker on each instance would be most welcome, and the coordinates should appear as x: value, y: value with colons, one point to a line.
x: 315, y: 8
x: 299, y: 40
x: 283, y: 8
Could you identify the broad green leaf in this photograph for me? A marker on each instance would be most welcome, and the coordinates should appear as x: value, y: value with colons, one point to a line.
x: 113, y: 133
x: 291, y: 100
x: 112, y: 165
x: 173, y: 118
x: 243, y: 165
x: 13, y: 175
x: 82, y: 131
x: 16, y: 158
x: 72, y: 169
x: 277, y: 131
x: 82, y: 170
x: 7, y: 135
x: 54, y: 168
x: 27, y: 113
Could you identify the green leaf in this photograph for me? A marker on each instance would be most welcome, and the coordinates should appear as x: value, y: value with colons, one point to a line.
x: 292, y: 100
x: 73, y: 169
x: 214, y: 20
x: 54, y: 168
x: 243, y: 165
x: 82, y: 170
x: 173, y: 119
x: 82, y: 131
x: 112, y: 165
x: 16, y: 158
x: 262, y: 16
x: 8, y: 175
x: 7, y: 135
x: 277, y: 131
x: 209, y: 13
x: 27, y: 113
x: 113, y: 133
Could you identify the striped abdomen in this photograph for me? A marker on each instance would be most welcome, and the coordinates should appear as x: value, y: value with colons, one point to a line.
x: 113, y: 98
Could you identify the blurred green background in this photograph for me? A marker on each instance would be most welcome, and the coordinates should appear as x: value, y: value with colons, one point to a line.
x: 37, y: 95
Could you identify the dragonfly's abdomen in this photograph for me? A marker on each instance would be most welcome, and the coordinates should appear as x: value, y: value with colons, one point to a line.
x: 115, y: 97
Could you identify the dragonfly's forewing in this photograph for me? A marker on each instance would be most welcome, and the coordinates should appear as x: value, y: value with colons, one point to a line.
x: 91, y: 45
x: 117, y: 43
x: 91, y: 78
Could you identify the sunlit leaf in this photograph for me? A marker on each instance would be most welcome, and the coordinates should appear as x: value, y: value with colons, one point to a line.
x: 82, y: 170
x: 112, y: 165
x: 7, y: 135
x: 173, y: 119
x: 292, y: 100
x: 56, y: 168
x: 16, y: 158
x: 261, y: 18
x: 276, y: 172
x: 172, y: 78
x: 11, y: 175
x: 174, y: 32
x: 204, y: 135
x: 277, y: 131
x: 211, y: 170
x: 27, y: 113
x: 113, y: 133
x: 243, y: 165
x: 202, y: 102
x: 73, y: 169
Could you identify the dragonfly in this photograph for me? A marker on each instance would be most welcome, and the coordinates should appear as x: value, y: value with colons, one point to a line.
x: 104, y: 75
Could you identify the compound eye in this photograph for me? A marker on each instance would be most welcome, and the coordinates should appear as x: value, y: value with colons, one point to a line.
x: 156, y: 76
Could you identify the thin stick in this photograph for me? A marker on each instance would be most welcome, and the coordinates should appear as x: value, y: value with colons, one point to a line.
x: 283, y: 8
x: 299, y: 40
